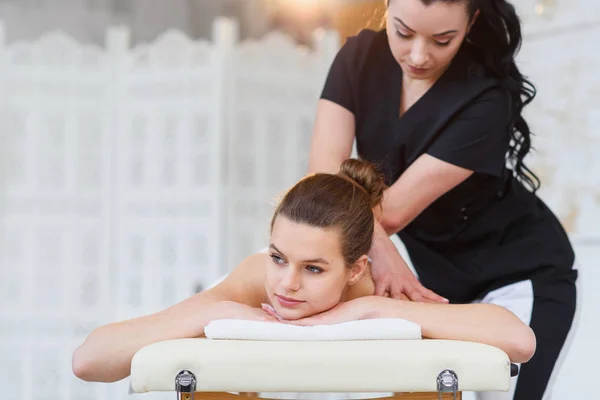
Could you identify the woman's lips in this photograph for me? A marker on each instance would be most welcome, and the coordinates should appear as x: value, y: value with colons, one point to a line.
x: 288, y: 302
x: 416, y: 71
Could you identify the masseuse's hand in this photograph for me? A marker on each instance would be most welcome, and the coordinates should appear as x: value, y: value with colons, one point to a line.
x: 234, y: 310
x: 391, y: 274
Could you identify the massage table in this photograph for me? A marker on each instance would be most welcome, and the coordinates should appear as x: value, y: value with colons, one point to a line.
x: 406, y: 369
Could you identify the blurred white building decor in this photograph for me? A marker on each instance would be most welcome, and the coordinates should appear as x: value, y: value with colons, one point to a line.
x: 129, y: 176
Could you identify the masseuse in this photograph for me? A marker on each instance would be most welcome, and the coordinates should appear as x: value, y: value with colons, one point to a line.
x: 435, y: 101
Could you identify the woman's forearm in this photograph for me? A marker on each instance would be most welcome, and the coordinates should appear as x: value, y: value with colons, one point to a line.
x: 106, y: 354
x: 380, y: 234
x: 482, y: 323
x: 392, y: 224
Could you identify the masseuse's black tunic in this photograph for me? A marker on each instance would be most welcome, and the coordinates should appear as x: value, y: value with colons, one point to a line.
x: 487, y: 232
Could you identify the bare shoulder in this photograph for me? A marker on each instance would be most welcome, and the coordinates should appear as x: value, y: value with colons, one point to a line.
x: 246, y: 283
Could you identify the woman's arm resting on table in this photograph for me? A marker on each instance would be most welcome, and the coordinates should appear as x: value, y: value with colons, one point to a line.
x: 332, y: 138
x: 106, y: 354
x: 482, y: 323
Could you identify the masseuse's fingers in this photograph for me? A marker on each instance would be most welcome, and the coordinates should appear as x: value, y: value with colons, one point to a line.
x: 404, y: 289
x: 382, y: 286
x: 411, y: 292
x: 431, y: 296
x: 419, y: 293
x: 403, y: 297
x: 400, y: 296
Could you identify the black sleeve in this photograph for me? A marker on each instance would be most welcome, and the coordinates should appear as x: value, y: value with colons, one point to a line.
x: 342, y: 73
x: 478, y: 137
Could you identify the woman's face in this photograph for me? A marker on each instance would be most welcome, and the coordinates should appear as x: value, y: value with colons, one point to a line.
x: 306, y: 272
x: 425, y: 39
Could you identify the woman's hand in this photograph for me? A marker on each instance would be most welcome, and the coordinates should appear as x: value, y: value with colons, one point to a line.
x: 353, y: 310
x: 234, y: 310
x: 392, y: 275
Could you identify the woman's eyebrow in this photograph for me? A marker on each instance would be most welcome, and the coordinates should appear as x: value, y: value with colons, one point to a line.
x: 435, y: 34
x: 272, y: 246
x: 445, y: 33
x: 312, y: 261
x: 316, y: 261
x: 404, y: 25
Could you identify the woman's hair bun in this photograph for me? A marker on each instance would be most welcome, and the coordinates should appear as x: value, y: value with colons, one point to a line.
x: 366, y: 176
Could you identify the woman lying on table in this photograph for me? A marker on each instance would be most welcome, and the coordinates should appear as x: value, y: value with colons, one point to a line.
x: 316, y: 271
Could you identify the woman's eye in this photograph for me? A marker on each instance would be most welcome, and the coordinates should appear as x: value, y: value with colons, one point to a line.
x: 276, y: 259
x: 405, y: 36
x: 402, y: 35
x: 314, y: 270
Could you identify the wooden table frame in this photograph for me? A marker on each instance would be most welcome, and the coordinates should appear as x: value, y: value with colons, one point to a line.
x: 397, y: 396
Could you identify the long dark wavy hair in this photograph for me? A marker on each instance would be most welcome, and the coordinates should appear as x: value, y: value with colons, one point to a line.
x: 495, y: 39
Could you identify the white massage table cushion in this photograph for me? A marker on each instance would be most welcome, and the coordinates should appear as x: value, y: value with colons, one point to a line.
x: 371, y: 329
x: 319, y: 366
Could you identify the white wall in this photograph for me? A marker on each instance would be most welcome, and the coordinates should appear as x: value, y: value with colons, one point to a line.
x: 560, y: 56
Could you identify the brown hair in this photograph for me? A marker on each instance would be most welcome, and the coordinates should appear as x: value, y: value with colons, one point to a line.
x: 343, y: 201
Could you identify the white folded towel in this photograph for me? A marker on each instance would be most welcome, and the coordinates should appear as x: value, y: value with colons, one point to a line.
x: 366, y: 329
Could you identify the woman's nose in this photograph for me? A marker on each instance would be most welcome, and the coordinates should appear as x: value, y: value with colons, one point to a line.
x: 419, y: 54
x: 291, y: 280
